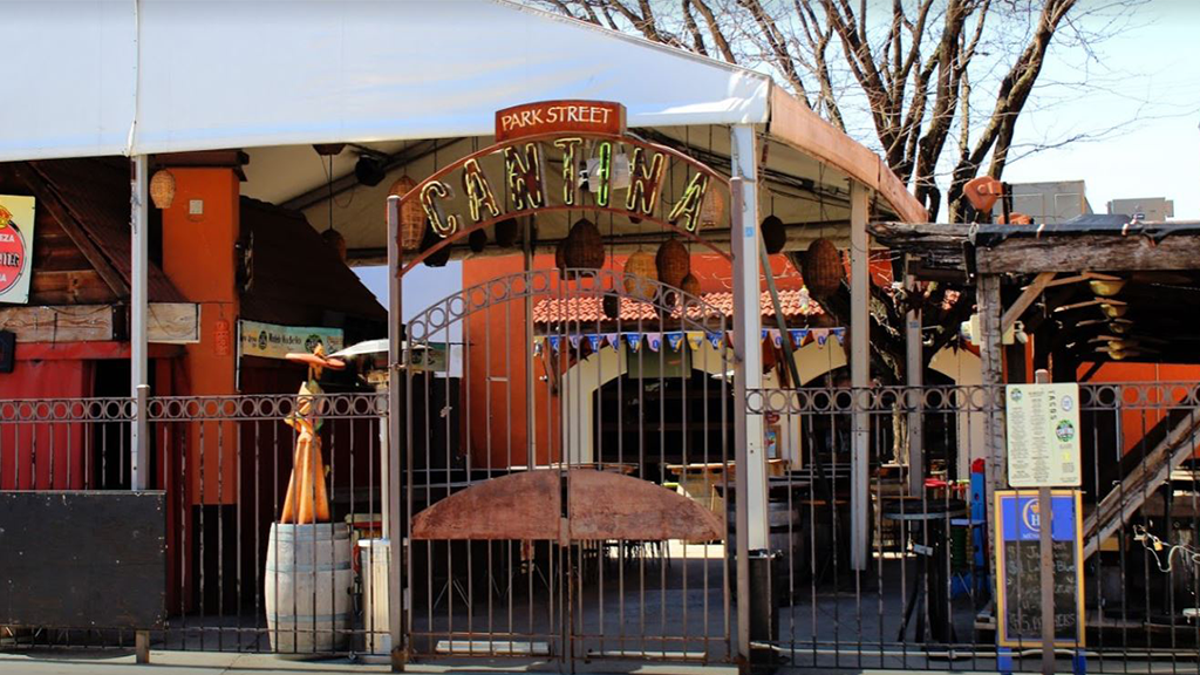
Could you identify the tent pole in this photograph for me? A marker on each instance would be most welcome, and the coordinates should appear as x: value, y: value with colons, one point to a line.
x: 860, y: 373
x: 138, y: 344
x: 393, y: 478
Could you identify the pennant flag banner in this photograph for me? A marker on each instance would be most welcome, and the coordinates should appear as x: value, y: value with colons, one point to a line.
x: 822, y: 336
x: 594, y: 341
x: 539, y: 343
x: 555, y: 342
x: 654, y: 341
x: 613, y: 340
x: 695, y: 340
x: 776, y: 337
x: 840, y: 334
x: 575, y: 339
x: 766, y: 333
x: 715, y: 338
x: 674, y: 340
x: 634, y: 340
x: 799, y: 335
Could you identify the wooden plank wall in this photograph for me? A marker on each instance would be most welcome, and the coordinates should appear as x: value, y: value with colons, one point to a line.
x: 61, y: 273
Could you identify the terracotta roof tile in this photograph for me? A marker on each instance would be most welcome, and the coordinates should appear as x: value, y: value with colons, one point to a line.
x: 587, y: 308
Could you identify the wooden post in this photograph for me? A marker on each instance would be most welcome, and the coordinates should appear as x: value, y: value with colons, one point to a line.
x: 991, y: 363
x: 915, y: 374
x: 860, y: 375
x: 141, y: 646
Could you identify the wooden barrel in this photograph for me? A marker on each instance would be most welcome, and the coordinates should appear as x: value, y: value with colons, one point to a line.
x: 308, y: 583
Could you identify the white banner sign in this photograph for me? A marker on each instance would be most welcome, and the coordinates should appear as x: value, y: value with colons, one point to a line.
x: 1043, y: 435
x: 271, y: 341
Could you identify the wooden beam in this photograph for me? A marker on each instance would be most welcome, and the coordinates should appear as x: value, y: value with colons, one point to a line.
x: 69, y: 323
x: 173, y: 323
x: 1079, y: 252
x: 1031, y: 293
x: 53, y: 202
x: 170, y: 323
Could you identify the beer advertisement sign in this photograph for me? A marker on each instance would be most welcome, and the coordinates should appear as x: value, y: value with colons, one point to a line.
x: 16, y: 248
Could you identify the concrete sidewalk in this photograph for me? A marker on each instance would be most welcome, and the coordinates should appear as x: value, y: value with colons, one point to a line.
x: 62, y: 662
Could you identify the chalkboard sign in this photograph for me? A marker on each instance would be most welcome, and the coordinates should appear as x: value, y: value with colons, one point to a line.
x: 1018, y: 565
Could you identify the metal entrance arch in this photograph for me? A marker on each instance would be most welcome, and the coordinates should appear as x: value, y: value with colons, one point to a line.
x: 522, y: 545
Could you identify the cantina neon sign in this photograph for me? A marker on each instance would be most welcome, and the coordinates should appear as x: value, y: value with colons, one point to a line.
x: 560, y: 156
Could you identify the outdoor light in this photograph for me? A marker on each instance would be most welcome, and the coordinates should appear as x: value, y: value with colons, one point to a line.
x: 162, y: 189
x: 1106, y: 288
x: 1114, y: 311
x: 369, y: 171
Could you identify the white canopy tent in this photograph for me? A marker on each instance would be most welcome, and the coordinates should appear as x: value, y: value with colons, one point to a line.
x: 145, y: 77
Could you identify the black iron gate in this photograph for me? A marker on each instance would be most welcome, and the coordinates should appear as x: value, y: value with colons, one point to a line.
x: 581, y: 514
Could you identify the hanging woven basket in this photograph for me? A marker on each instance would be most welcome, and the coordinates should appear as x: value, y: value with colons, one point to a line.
x: 672, y: 262
x: 506, y: 232
x: 430, y: 240
x: 477, y: 241
x: 162, y: 189
x: 584, y: 246
x: 611, y: 305
x: 713, y: 208
x: 560, y: 260
x: 640, y: 275
x: 823, y: 271
x: 335, y: 239
x: 690, y: 285
x: 412, y: 216
x: 774, y: 234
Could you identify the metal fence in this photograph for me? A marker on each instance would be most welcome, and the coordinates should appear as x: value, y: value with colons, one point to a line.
x: 924, y: 600
x: 224, y: 464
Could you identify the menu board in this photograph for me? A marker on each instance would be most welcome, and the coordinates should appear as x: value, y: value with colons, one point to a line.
x: 1043, y: 435
x: 1019, y: 567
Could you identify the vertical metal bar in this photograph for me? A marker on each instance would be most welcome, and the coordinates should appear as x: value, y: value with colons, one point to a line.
x: 1046, y: 572
x: 392, y: 476
x: 860, y: 374
x: 138, y: 348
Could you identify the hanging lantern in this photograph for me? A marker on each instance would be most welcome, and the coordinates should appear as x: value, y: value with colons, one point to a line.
x: 162, y: 189
x: 640, y: 275
x: 713, y: 207
x: 430, y: 240
x: 584, y: 246
x: 611, y: 305
x: 690, y: 285
x: 560, y: 260
x: 823, y: 271
x: 672, y: 262
x: 477, y: 241
x: 335, y: 239
x: 412, y: 216
x: 506, y: 232
x: 774, y: 234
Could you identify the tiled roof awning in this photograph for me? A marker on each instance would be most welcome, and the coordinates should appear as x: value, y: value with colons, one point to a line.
x: 587, y: 308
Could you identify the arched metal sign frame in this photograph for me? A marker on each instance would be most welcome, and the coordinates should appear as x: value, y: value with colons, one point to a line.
x: 714, y: 179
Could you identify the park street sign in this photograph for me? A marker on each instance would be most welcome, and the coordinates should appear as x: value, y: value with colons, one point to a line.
x: 1043, y: 435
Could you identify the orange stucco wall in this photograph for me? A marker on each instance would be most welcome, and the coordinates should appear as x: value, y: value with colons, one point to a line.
x: 199, y: 258
x: 497, y: 430
x: 1141, y: 416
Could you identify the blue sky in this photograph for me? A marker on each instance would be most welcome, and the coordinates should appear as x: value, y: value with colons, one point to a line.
x: 1148, y: 69
x: 1145, y: 89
